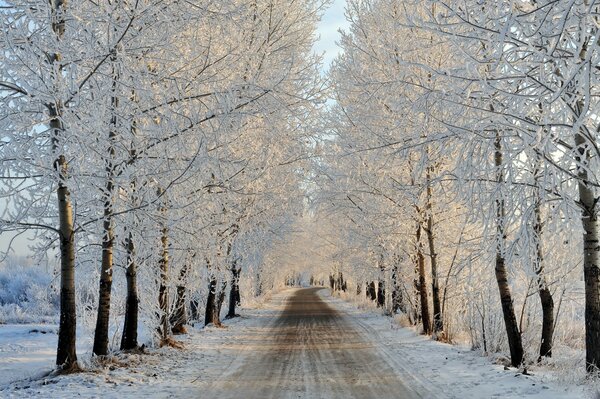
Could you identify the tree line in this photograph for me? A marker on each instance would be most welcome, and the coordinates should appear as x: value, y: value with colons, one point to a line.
x: 161, y: 143
x: 460, y: 169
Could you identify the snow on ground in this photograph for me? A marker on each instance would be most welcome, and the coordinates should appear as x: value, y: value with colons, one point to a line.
x: 162, y: 373
x: 26, y: 351
x: 449, y: 371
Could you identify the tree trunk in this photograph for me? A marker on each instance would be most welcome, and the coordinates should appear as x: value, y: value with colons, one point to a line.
x: 438, y: 321
x: 416, y: 309
x: 66, y: 357
x: 234, y: 292
x: 422, y: 288
x: 380, y: 293
x: 396, y: 291
x: 544, y: 292
x: 258, y: 285
x: 210, y: 315
x: 342, y: 283
x: 163, y: 295
x: 129, y: 338
x: 547, y: 322
x: 591, y: 258
x: 381, y: 283
x: 220, y: 300
x: 179, y: 317
x: 371, y: 292
x: 106, y: 270
x: 510, y: 321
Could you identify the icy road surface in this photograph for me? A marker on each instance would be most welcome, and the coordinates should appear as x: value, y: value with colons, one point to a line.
x: 312, y: 350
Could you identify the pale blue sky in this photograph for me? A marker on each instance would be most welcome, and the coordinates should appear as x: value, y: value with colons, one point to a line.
x: 332, y: 21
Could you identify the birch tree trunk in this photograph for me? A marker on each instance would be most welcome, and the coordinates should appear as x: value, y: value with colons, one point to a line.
x: 438, y: 321
x: 396, y: 289
x: 591, y: 236
x: 591, y: 257
x: 66, y: 357
x: 163, y: 294
x: 544, y: 293
x: 179, y: 317
x: 234, y: 293
x: 211, y: 315
x: 220, y: 300
x: 381, y: 284
x: 422, y: 284
x: 106, y: 271
x: 129, y: 338
x: 132, y: 303
x: 510, y: 321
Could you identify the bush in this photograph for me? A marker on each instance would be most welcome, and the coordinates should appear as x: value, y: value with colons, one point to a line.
x: 27, y: 295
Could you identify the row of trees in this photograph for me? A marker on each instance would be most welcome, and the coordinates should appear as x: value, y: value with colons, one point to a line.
x: 160, y: 142
x: 463, y: 155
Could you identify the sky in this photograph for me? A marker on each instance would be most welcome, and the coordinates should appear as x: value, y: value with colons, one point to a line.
x: 332, y: 21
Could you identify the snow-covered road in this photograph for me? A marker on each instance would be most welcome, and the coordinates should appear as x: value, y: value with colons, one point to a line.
x: 312, y: 350
x: 303, y: 343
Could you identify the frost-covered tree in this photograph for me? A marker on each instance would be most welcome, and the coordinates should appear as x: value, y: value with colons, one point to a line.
x: 155, y: 126
x: 461, y: 119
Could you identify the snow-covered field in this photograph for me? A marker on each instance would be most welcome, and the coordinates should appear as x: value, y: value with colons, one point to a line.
x: 450, y: 372
x: 26, y: 351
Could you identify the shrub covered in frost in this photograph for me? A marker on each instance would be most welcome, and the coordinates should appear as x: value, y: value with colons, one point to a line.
x: 28, y: 294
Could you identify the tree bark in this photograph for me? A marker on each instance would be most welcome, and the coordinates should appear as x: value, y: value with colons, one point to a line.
x: 220, y: 300
x: 66, y: 357
x: 396, y: 291
x: 234, y: 292
x: 106, y: 270
x: 163, y: 295
x: 129, y: 339
x: 179, y: 317
x: 545, y: 295
x: 211, y: 314
x: 106, y: 276
x: 380, y: 293
x: 130, y: 326
x: 422, y: 285
x: 371, y: 293
x: 591, y: 257
x: 381, y: 283
x: 510, y: 321
x: 438, y: 321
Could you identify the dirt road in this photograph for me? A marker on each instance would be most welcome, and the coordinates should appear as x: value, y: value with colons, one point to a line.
x: 311, y: 350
